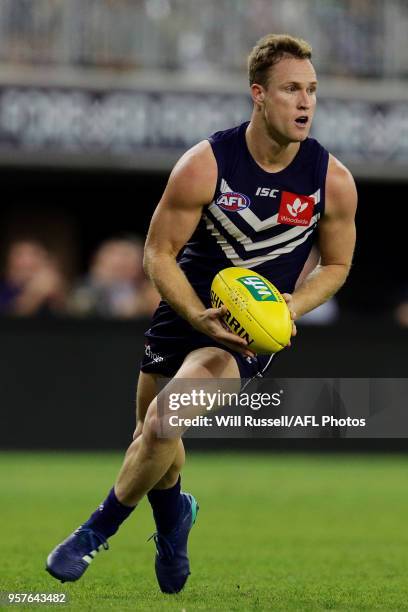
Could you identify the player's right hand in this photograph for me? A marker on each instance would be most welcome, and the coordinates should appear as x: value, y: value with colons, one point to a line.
x: 210, y: 322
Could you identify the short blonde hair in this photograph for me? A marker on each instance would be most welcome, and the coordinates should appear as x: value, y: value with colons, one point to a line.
x: 269, y: 50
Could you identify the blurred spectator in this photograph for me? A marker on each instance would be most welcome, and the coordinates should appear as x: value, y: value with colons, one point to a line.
x: 33, y: 283
x: 401, y: 312
x: 116, y: 285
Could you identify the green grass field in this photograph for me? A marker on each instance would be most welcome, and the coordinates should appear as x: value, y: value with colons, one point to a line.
x: 274, y: 532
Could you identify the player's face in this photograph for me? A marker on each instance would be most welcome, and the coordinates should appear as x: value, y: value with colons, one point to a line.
x: 289, y: 100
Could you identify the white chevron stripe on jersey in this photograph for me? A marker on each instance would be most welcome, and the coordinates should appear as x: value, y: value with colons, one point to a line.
x: 256, y: 261
x: 231, y: 253
x: 227, y: 224
x: 246, y: 242
x: 225, y: 246
x: 256, y: 223
x: 224, y: 187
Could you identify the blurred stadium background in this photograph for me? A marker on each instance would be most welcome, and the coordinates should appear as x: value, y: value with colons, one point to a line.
x: 98, y: 98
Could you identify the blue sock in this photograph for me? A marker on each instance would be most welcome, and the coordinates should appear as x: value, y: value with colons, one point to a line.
x: 166, y: 506
x: 109, y: 516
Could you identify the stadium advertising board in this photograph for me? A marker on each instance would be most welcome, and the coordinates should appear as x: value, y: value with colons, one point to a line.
x: 149, y: 129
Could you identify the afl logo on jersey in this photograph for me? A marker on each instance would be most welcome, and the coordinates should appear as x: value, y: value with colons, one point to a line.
x: 233, y: 201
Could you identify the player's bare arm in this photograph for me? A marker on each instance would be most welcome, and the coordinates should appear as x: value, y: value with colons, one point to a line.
x: 336, y: 240
x: 191, y: 186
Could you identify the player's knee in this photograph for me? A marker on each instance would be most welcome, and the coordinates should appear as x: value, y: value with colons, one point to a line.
x: 154, y: 431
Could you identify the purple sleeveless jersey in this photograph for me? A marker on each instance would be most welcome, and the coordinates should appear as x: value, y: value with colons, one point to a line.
x: 259, y: 220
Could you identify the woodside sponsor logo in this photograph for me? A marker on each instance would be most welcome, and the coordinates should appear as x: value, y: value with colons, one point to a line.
x: 295, y: 209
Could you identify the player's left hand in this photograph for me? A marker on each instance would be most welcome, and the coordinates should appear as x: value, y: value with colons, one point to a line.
x: 289, y: 301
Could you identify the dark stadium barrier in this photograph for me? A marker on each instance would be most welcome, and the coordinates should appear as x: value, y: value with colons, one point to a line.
x: 70, y: 384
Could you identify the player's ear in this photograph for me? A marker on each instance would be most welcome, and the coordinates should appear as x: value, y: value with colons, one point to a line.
x: 258, y: 94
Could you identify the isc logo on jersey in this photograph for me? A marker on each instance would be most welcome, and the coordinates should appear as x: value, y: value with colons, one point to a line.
x: 233, y: 201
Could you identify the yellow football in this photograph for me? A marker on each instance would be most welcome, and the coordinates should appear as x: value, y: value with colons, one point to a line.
x: 256, y: 309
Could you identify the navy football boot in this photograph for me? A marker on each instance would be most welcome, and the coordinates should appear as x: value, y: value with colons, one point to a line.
x: 172, y: 565
x: 69, y: 560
